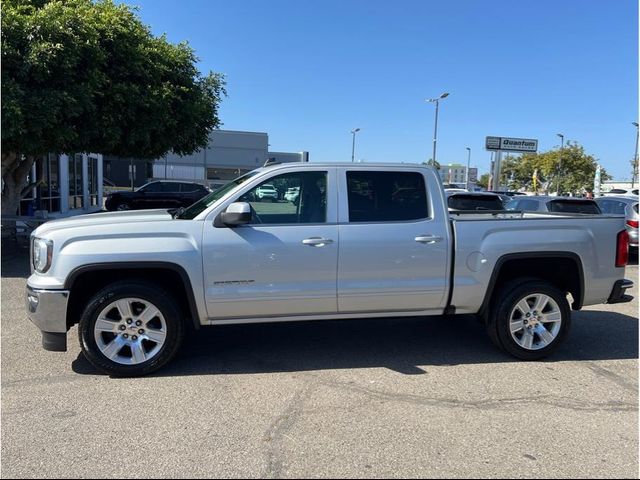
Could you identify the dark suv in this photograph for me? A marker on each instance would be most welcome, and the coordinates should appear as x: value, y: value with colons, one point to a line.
x: 160, y: 194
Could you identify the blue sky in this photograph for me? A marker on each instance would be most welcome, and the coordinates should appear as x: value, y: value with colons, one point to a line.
x: 307, y: 72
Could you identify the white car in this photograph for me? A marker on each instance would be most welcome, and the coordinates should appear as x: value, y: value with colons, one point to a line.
x: 620, y: 192
x: 267, y: 192
x: 292, y: 194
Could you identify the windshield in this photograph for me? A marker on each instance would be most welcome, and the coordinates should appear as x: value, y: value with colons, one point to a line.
x: 205, y: 202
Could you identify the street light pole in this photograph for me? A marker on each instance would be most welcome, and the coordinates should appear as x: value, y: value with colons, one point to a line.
x: 635, y: 157
x: 435, y: 127
x: 560, y: 162
x: 468, y: 165
x: 353, y: 146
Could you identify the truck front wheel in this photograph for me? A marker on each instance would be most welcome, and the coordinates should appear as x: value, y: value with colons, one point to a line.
x: 530, y: 320
x: 130, y: 329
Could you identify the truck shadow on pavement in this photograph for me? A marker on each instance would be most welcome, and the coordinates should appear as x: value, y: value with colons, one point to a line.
x: 404, y: 345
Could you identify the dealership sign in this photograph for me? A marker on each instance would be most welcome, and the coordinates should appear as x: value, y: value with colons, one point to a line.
x: 473, y: 175
x: 507, y: 144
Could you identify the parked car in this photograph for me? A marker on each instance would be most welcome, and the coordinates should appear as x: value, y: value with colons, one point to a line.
x: 292, y: 194
x: 267, y: 192
x: 158, y: 194
x: 506, y: 192
x: 367, y: 241
x: 541, y: 203
x: 216, y: 184
x: 620, y: 192
x: 627, y: 206
x: 474, y: 201
x: 455, y: 190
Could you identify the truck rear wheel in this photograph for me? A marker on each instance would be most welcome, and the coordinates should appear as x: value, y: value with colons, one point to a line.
x: 131, y: 328
x: 530, y: 320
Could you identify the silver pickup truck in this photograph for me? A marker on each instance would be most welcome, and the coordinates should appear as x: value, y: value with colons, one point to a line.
x: 358, y: 241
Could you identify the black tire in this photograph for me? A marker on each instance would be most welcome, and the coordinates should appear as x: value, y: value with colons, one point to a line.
x: 498, y: 325
x: 138, y: 289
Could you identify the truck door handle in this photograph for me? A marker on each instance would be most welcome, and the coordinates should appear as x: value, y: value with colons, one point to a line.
x: 317, y: 241
x: 429, y: 239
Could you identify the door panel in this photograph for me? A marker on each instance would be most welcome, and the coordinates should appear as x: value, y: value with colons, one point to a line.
x: 278, y: 265
x: 387, y: 265
x: 259, y: 271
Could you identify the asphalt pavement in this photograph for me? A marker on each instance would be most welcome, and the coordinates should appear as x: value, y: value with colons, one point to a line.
x: 363, y: 398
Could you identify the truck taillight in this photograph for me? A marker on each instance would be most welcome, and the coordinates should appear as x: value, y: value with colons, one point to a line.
x: 622, y: 249
x: 632, y: 223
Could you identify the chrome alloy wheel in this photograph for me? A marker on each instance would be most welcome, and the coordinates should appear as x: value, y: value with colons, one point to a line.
x: 130, y: 331
x: 535, y: 321
x: 123, y: 207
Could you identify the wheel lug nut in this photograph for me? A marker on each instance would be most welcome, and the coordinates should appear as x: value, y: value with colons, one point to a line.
x: 129, y: 321
x: 122, y: 327
x: 125, y: 335
x: 141, y: 331
x: 138, y: 323
x: 135, y: 337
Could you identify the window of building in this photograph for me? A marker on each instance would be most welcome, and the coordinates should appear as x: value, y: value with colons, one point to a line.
x: 76, y: 199
x: 46, y: 195
x: 93, y: 181
x: 386, y: 196
x: 299, y: 197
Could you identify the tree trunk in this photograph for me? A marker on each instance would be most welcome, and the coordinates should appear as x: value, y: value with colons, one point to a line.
x: 15, y: 169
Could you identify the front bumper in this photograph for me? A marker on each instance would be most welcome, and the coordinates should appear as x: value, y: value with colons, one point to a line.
x: 47, y: 309
x: 618, y: 295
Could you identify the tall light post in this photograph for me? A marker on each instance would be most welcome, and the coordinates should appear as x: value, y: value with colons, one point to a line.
x: 435, y: 127
x: 560, y: 162
x: 635, y: 157
x: 468, y: 165
x: 353, y: 146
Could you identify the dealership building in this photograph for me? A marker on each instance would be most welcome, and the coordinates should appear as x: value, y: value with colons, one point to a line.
x: 75, y: 183
x: 228, y: 154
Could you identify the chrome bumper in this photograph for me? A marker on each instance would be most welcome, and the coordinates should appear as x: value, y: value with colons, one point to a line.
x: 47, y: 309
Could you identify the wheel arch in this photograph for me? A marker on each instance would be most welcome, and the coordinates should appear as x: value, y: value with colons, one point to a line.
x: 86, y: 280
x: 561, y: 269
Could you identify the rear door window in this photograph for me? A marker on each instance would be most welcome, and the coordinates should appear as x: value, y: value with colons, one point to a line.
x: 613, y: 206
x: 573, y: 206
x: 475, y: 202
x: 376, y: 196
x: 152, y: 187
x: 170, y: 187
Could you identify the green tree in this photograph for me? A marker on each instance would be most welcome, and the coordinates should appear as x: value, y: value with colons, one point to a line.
x: 575, y: 173
x: 483, y: 181
x: 432, y: 163
x: 81, y: 76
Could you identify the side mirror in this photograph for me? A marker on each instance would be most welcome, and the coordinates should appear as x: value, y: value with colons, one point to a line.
x: 238, y: 213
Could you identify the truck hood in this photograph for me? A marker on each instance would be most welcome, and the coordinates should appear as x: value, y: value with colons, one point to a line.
x: 108, y: 218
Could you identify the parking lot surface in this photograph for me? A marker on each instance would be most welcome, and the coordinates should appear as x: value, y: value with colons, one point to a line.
x: 368, y: 398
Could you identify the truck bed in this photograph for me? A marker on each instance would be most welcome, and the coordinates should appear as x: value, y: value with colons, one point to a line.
x: 483, y: 239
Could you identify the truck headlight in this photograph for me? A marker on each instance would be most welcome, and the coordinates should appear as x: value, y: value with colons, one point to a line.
x: 42, y: 253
